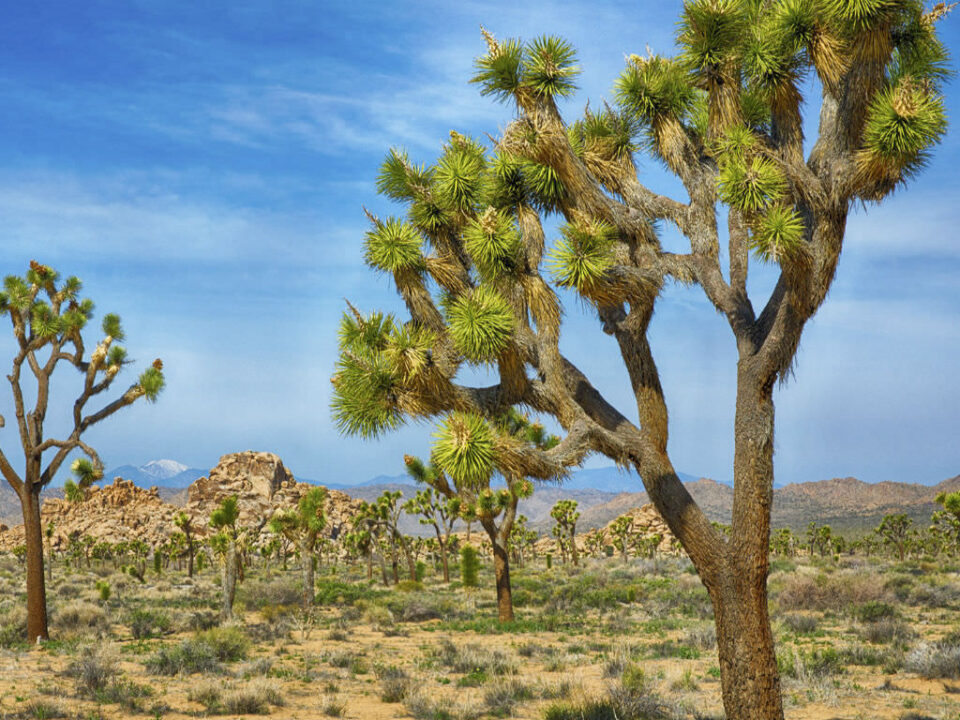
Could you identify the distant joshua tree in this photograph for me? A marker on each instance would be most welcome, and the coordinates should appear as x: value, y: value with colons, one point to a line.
x: 565, y: 515
x: 224, y: 544
x: 302, y: 526
x: 47, y: 317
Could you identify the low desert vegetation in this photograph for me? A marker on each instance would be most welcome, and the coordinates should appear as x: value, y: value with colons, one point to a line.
x: 604, y: 639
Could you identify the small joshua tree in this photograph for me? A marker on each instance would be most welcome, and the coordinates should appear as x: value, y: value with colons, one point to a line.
x: 946, y: 522
x: 620, y: 535
x: 184, y: 521
x: 467, y: 453
x: 565, y: 515
x: 302, y: 526
x: 434, y: 510
x: 48, y: 317
x: 224, y: 543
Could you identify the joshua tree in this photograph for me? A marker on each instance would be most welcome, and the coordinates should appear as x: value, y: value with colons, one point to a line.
x: 464, y: 473
x: 620, y: 535
x: 895, y: 532
x: 224, y: 543
x: 184, y: 521
x: 594, y: 542
x: 522, y: 539
x: 302, y: 526
x: 946, y: 522
x: 48, y: 317
x: 726, y: 117
x: 435, y: 510
x: 565, y: 515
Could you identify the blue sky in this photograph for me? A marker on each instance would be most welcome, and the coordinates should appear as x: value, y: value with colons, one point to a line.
x: 203, y: 167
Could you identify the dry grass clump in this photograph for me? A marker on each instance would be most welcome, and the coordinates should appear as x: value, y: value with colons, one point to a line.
x: 471, y: 658
x: 13, y: 625
x: 94, y: 669
x: 838, y: 592
x: 935, y: 660
x: 79, y: 619
x: 395, y: 683
x: 251, y: 698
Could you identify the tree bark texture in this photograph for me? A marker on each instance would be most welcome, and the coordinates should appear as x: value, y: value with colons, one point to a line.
x: 36, y: 588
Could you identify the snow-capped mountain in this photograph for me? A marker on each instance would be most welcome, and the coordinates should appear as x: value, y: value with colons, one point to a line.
x: 162, y: 473
x: 162, y: 469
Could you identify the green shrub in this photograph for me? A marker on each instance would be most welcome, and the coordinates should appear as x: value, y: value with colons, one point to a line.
x: 148, y: 623
x: 469, y: 566
x: 874, y: 611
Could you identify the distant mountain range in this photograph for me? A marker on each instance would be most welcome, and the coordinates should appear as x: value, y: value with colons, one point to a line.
x: 162, y: 473
x: 846, y: 504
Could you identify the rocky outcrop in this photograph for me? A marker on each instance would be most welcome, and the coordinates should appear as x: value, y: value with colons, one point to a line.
x: 122, y: 511
x: 262, y: 485
x: 118, y: 512
x: 646, y: 522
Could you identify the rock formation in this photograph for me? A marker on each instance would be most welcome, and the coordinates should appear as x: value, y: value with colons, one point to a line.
x: 123, y: 511
x: 118, y: 512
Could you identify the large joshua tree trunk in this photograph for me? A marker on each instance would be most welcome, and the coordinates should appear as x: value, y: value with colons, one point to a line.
x: 36, y: 588
x: 748, y: 663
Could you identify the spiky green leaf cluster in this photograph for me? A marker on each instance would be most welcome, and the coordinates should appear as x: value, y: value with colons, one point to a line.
x: 750, y: 184
x: 409, y: 350
x: 111, y: 326
x: 506, y: 184
x: 902, y: 122
x: 481, y: 324
x: 545, y: 185
x: 44, y: 322
x: 116, y: 356
x: 393, y: 246
x: 459, y: 176
x: 226, y: 514
x: 464, y: 449
x: 582, y: 256
x: 606, y: 134
x: 400, y: 179
x: 653, y: 87
x: 362, y: 399
x: 365, y: 334
x: 493, y: 242
x: 152, y: 382
x: 862, y: 15
x: 85, y: 471
x: 546, y: 65
x: 500, y: 71
x: 778, y: 234
x: 710, y: 32
x: 549, y: 66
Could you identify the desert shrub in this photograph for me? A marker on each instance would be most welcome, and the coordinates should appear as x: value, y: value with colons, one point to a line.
x: 342, y: 658
x: 255, y: 696
x: 80, y: 618
x: 467, y: 658
x: 900, y: 585
x: 94, y: 668
x: 188, y: 657
x: 501, y: 697
x: 621, y: 703
x: 333, y: 707
x: 203, y: 653
x: 229, y: 643
x: 335, y: 592
x: 935, y: 596
x: 283, y: 590
x: 886, y: 631
x: 43, y: 710
x: 208, y: 693
x: 800, y: 623
x: 935, y: 660
x: 148, y: 623
x: 838, y: 592
x: 874, y: 611
x: 394, y: 683
x: 198, y: 620
x: 419, y: 606
x: 125, y: 692
x: 808, y: 665
x: 13, y: 626
x: 704, y: 638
